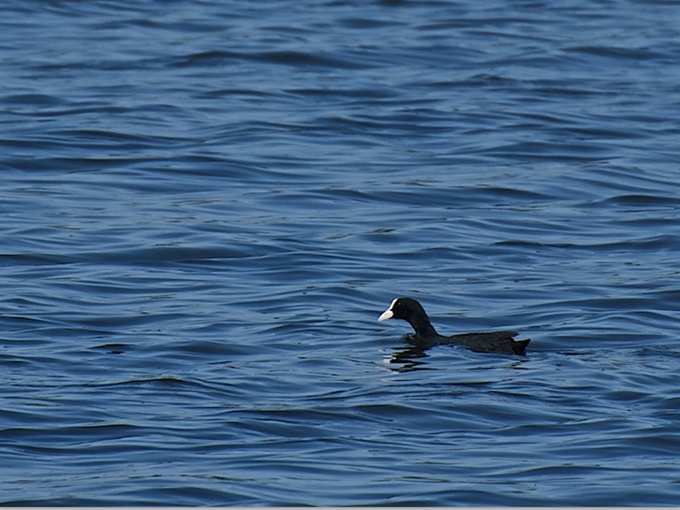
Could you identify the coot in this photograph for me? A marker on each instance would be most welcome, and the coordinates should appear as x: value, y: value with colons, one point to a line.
x: 412, y: 312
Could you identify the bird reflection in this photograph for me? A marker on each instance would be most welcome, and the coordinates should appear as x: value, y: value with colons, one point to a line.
x: 406, y: 359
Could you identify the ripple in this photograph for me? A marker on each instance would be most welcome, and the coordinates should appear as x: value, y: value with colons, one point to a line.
x: 616, y: 52
x: 289, y: 58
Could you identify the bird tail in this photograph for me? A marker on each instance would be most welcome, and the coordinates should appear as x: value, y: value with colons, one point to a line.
x: 519, y: 346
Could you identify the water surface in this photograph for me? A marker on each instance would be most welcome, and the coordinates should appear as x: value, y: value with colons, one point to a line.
x: 206, y: 205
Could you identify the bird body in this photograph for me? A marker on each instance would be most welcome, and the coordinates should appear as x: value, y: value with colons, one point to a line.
x: 411, y: 311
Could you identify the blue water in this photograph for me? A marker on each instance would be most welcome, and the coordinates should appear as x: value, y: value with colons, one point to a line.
x: 206, y: 205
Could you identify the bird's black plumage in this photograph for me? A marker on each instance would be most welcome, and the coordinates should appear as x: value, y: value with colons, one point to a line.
x: 411, y: 311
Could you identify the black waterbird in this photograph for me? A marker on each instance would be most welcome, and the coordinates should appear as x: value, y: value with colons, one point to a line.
x: 425, y: 335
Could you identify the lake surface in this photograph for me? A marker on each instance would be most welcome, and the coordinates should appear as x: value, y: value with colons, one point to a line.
x: 206, y: 205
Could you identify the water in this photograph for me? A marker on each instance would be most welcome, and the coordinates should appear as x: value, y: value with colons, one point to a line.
x: 206, y: 205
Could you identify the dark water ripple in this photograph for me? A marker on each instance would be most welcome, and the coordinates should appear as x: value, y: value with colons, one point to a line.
x: 206, y: 206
